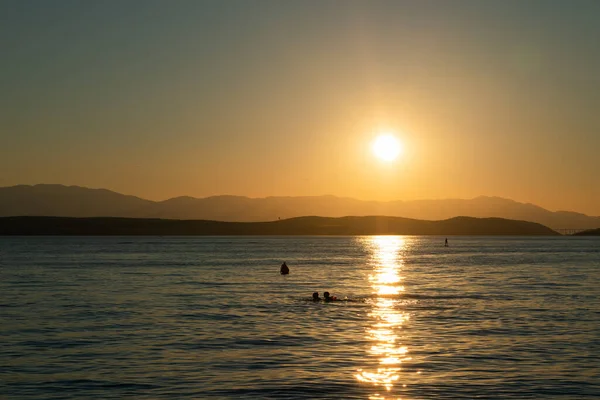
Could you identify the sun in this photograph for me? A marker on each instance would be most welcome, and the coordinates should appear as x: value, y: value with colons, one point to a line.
x: 386, y: 147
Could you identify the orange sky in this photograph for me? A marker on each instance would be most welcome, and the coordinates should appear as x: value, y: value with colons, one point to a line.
x: 286, y: 98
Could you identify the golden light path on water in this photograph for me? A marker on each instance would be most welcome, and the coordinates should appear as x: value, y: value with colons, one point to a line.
x: 388, y: 318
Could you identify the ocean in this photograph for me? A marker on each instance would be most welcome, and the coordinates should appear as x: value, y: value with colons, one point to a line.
x: 212, y: 318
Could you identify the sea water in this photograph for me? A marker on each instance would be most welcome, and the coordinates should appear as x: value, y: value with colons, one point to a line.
x: 211, y: 317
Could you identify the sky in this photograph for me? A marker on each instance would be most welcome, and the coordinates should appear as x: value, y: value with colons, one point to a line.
x: 284, y: 98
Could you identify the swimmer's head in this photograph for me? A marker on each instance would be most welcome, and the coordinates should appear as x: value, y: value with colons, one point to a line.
x: 326, y: 294
x: 316, y: 296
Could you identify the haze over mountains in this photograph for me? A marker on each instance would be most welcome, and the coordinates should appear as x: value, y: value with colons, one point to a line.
x: 74, y: 201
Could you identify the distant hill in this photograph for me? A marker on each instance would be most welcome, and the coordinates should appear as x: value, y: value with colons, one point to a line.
x: 67, y: 201
x: 589, y: 232
x: 372, y: 225
x: 73, y: 201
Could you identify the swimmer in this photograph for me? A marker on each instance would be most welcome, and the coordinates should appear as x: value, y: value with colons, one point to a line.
x: 316, y: 296
x: 327, y: 297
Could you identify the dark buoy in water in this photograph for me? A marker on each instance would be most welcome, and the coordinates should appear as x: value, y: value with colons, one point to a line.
x: 284, y: 269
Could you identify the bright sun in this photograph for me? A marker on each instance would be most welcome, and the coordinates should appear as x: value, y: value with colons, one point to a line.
x: 386, y: 147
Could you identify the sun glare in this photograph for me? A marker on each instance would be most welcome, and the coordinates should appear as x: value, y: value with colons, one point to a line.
x: 386, y: 147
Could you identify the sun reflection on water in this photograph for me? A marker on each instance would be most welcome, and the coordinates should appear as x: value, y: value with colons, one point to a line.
x: 387, y: 317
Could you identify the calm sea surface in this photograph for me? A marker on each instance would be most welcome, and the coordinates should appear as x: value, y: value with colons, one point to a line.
x: 208, y: 318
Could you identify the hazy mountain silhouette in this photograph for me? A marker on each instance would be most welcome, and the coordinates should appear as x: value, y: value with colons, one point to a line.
x: 67, y: 201
x: 371, y: 225
x: 73, y: 201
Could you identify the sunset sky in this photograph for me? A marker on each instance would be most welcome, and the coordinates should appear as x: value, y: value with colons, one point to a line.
x: 278, y: 98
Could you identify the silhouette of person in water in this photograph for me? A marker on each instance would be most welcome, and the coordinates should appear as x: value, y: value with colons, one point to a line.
x: 446, y: 243
x: 316, y: 296
x: 327, y: 297
x: 284, y: 269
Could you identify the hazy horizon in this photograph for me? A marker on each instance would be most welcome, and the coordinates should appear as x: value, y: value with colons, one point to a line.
x: 259, y: 99
x: 158, y: 200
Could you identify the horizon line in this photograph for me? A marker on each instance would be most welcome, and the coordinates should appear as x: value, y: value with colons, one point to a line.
x: 301, y: 196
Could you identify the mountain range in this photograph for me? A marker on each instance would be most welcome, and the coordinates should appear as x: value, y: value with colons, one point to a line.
x: 75, y: 201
